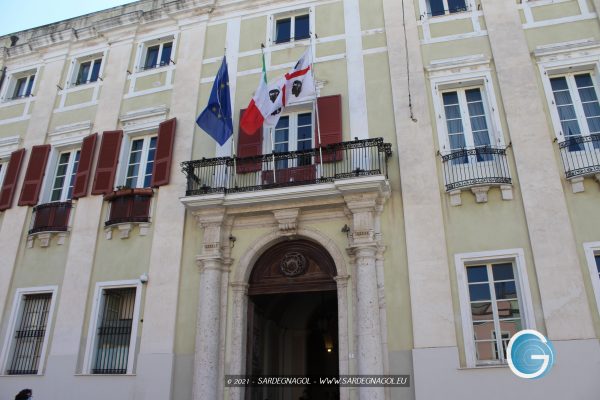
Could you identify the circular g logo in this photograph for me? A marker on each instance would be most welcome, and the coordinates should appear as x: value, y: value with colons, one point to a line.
x: 530, y: 354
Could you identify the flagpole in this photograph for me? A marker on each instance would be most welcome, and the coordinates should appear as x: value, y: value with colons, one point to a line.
x: 316, y: 102
x: 273, y: 152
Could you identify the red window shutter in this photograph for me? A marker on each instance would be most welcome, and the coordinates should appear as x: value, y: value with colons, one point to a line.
x: 164, y: 153
x: 10, y: 179
x: 330, y: 122
x: 36, y: 169
x: 249, y: 145
x: 106, y: 167
x: 85, y: 166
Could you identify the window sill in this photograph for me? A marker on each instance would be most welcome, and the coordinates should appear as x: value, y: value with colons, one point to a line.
x: 107, y: 375
x: 17, y: 101
x: 484, y: 366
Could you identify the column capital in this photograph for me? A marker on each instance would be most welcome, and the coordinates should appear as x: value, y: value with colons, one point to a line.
x: 342, y: 281
x: 210, y: 262
x: 211, y: 217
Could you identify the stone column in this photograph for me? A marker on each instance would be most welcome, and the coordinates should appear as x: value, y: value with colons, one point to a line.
x: 238, y: 337
x: 207, y: 379
x: 364, y: 248
x: 343, y: 329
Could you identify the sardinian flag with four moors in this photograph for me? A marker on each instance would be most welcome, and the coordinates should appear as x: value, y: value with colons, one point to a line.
x: 300, y: 81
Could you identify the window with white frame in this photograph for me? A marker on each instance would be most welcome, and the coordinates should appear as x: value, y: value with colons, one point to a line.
x: 495, y: 303
x: 20, y: 85
x: 3, y: 166
x: 156, y: 53
x: 140, y: 162
x: 576, y: 101
x: 28, y: 331
x: 467, y: 122
x: 87, y: 70
x: 64, y: 176
x: 292, y: 26
x: 114, y: 329
x: 592, y: 253
x: 443, y: 7
x: 293, y: 132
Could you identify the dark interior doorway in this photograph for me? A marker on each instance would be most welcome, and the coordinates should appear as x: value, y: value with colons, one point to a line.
x: 293, y: 321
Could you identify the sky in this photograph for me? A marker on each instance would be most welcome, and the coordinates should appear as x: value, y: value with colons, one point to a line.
x: 18, y: 15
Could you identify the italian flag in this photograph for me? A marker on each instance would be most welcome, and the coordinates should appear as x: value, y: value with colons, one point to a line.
x: 266, y: 104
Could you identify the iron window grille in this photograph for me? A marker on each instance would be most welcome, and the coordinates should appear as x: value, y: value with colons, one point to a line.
x: 470, y: 167
x: 29, y: 335
x: 580, y: 155
x: 51, y: 217
x: 113, y: 335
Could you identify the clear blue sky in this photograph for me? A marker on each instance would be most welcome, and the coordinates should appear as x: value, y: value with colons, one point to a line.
x: 18, y: 15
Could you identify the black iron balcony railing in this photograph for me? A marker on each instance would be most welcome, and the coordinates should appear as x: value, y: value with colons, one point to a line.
x: 129, y: 205
x: 51, y: 217
x: 580, y: 155
x: 340, y: 161
x: 475, y: 166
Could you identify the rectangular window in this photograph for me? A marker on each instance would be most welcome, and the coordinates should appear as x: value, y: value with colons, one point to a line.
x: 64, y: 178
x: 592, y: 254
x: 157, y: 55
x: 88, y: 72
x: 295, y: 27
x: 23, y: 87
x: 495, y: 309
x: 2, y: 172
x: 597, y: 259
x: 294, y: 133
x: 576, y: 101
x: 495, y: 302
x: 29, y: 334
x: 443, y: 7
x: 114, y: 331
x: 467, y: 122
x: 141, y: 162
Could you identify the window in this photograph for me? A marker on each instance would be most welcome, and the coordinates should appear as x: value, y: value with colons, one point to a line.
x: 140, y: 162
x: 29, y: 325
x: 576, y: 101
x: 294, y: 27
x: 293, y: 133
x: 467, y: 122
x: 495, y: 308
x: 64, y: 178
x: 88, y: 71
x: 443, y: 7
x: 3, y: 166
x: 592, y: 253
x: 495, y: 303
x: 114, y: 330
x: 157, y: 55
x: 21, y: 86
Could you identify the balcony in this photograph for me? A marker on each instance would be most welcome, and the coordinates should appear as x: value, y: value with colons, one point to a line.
x: 477, y: 169
x: 580, y: 158
x: 48, y: 219
x: 128, y: 207
x: 341, y: 161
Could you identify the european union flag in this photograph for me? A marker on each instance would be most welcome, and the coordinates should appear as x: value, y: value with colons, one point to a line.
x: 216, y: 117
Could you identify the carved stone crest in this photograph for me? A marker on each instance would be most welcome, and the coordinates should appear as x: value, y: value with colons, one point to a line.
x: 293, y: 264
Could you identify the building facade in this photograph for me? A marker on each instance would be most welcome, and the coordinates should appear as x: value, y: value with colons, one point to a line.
x: 439, y: 195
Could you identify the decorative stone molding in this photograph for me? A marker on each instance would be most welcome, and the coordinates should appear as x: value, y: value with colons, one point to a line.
x: 480, y: 193
x: 119, y: 21
x: 140, y: 120
x: 8, y: 145
x: 52, y: 39
x: 125, y: 229
x: 288, y: 220
x: 211, y: 220
x: 69, y: 134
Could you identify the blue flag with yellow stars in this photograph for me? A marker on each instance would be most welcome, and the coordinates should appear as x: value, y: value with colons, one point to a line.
x: 216, y: 117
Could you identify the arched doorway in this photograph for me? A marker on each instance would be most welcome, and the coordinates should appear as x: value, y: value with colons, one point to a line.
x: 293, y: 320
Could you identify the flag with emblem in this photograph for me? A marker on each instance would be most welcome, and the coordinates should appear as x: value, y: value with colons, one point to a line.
x: 266, y: 104
x: 300, y: 81
x: 216, y: 117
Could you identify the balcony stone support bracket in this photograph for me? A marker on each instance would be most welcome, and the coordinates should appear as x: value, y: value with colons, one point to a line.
x: 45, y: 238
x: 577, y: 184
x: 481, y: 194
x: 125, y: 229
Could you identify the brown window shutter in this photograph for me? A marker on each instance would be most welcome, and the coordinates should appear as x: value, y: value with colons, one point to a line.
x: 163, y: 157
x: 10, y: 179
x: 36, y: 169
x: 249, y: 145
x: 106, y: 167
x: 330, y: 122
x: 85, y: 166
